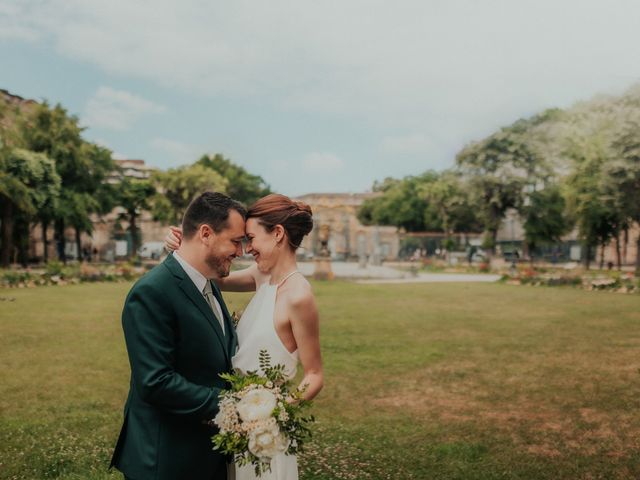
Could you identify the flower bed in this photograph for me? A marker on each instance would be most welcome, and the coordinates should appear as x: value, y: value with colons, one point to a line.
x: 56, y: 273
x: 616, y: 281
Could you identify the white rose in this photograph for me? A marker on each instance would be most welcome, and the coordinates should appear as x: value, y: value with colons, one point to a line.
x: 267, y: 442
x: 257, y: 404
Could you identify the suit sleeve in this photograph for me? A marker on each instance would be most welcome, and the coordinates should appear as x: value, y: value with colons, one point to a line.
x: 147, y: 321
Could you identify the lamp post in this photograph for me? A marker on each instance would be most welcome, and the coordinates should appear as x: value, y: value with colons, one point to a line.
x: 513, y: 270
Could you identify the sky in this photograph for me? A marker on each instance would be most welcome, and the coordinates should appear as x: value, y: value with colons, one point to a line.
x: 314, y: 96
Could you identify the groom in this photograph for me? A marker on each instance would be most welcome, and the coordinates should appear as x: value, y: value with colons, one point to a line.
x: 179, y: 337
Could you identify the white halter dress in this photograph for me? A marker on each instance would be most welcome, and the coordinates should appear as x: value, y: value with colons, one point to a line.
x: 256, y: 331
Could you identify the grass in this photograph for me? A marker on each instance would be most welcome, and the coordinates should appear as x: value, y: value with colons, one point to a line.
x: 424, y: 381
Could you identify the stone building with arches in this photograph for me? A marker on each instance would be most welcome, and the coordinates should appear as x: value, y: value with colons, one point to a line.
x: 348, y: 238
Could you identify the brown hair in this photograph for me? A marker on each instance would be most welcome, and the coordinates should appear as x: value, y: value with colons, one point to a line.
x: 275, y: 209
x: 211, y: 208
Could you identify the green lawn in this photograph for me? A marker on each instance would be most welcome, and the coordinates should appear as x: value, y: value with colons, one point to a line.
x: 425, y: 381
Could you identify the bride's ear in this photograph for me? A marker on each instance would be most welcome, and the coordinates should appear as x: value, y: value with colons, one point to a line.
x: 279, y: 232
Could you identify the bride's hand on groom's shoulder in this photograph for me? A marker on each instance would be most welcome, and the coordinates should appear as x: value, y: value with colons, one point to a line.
x: 173, y: 239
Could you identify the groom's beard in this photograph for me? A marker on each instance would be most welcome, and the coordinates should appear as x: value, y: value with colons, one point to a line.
x: 220, y: 265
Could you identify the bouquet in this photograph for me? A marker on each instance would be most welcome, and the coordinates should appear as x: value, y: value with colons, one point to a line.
x: 261, y: 416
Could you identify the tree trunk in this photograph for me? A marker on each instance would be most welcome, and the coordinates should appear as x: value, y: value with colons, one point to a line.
x: 624, y: 245
x: 445, y: 226
x: 133, y: 229
x: 21, y: 238
x: 602, y: 256
x: 494, y: 240
x: 587, y: 258
x: 618, y: 256
x: 493, y: 235
x: 61, y: 243
x: 527, y: 251
x: 638, y: 256
x: 7, y: 233
x: 78, y: 243
x: 45, y: 241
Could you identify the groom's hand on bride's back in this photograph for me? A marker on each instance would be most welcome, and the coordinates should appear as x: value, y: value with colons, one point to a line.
x: 173, y: 239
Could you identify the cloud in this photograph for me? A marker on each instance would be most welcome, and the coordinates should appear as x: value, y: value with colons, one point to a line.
x: 455, y: 70
x: 116, y: 109
x: 318, y: 162
x: 402, y: 63
x: 13, y: 28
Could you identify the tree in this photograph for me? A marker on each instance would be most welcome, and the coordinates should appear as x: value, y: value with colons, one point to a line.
x: 178, y: 186
x: 93, y: 195
x: 544, y: 218
x: 82, y: 166
x: 448, y: 197
x: 621, y: 179
x: 56, y: 134
x: 241, y: 185
x: 597, y: 218
x: 27, y: 182
x: 497, y: 170
x: 401, y: 203
x: 134, y: 196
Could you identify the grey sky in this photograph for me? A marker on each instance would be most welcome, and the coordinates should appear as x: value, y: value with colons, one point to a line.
x: 314, y: 96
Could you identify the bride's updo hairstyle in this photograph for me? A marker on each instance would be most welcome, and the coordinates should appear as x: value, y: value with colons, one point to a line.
x: 275, y: 209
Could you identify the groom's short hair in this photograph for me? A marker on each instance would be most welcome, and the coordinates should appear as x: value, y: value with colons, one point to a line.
x: 210, y: 208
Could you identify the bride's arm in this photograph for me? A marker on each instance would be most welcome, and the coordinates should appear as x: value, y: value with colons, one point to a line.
x: 238, y: 281
x: 306, y: 331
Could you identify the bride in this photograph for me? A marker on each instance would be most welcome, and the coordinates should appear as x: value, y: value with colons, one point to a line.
x: 282, y: 316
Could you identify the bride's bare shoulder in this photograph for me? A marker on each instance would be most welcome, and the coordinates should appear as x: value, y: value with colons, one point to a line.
x: 300, y: 292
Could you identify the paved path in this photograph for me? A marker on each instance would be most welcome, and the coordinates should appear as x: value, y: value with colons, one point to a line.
x: 382, y: 274
x: 352, y: 270
x: 438, y: 278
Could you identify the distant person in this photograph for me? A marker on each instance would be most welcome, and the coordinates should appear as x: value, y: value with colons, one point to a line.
x: 472, y: 251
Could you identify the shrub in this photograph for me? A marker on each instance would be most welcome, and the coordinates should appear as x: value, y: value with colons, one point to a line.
x: 54, y: 267
x: 13, y: 278
x: 55, y: 273
x: 90, y: 273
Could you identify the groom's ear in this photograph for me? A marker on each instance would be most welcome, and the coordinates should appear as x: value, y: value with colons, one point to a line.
x: 206, y: 233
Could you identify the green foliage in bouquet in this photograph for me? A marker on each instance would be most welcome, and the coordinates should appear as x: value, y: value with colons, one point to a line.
x: 289, y: 415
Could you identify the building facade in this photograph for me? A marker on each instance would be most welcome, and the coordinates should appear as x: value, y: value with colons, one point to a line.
x: 348, y: 238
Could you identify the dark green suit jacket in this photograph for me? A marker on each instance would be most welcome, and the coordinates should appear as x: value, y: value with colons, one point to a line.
x: 176, y: 350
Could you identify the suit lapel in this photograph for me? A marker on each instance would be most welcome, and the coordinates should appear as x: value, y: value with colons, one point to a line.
x: 197, y: 298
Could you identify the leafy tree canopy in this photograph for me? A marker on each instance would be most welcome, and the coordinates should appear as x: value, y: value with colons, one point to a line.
x: 241, y: 185
x: 178, y: 186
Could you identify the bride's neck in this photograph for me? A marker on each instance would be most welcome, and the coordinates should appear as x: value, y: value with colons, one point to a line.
x: 285, y: 265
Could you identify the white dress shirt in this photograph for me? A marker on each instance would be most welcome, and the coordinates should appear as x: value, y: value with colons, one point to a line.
x: 200, y: 281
